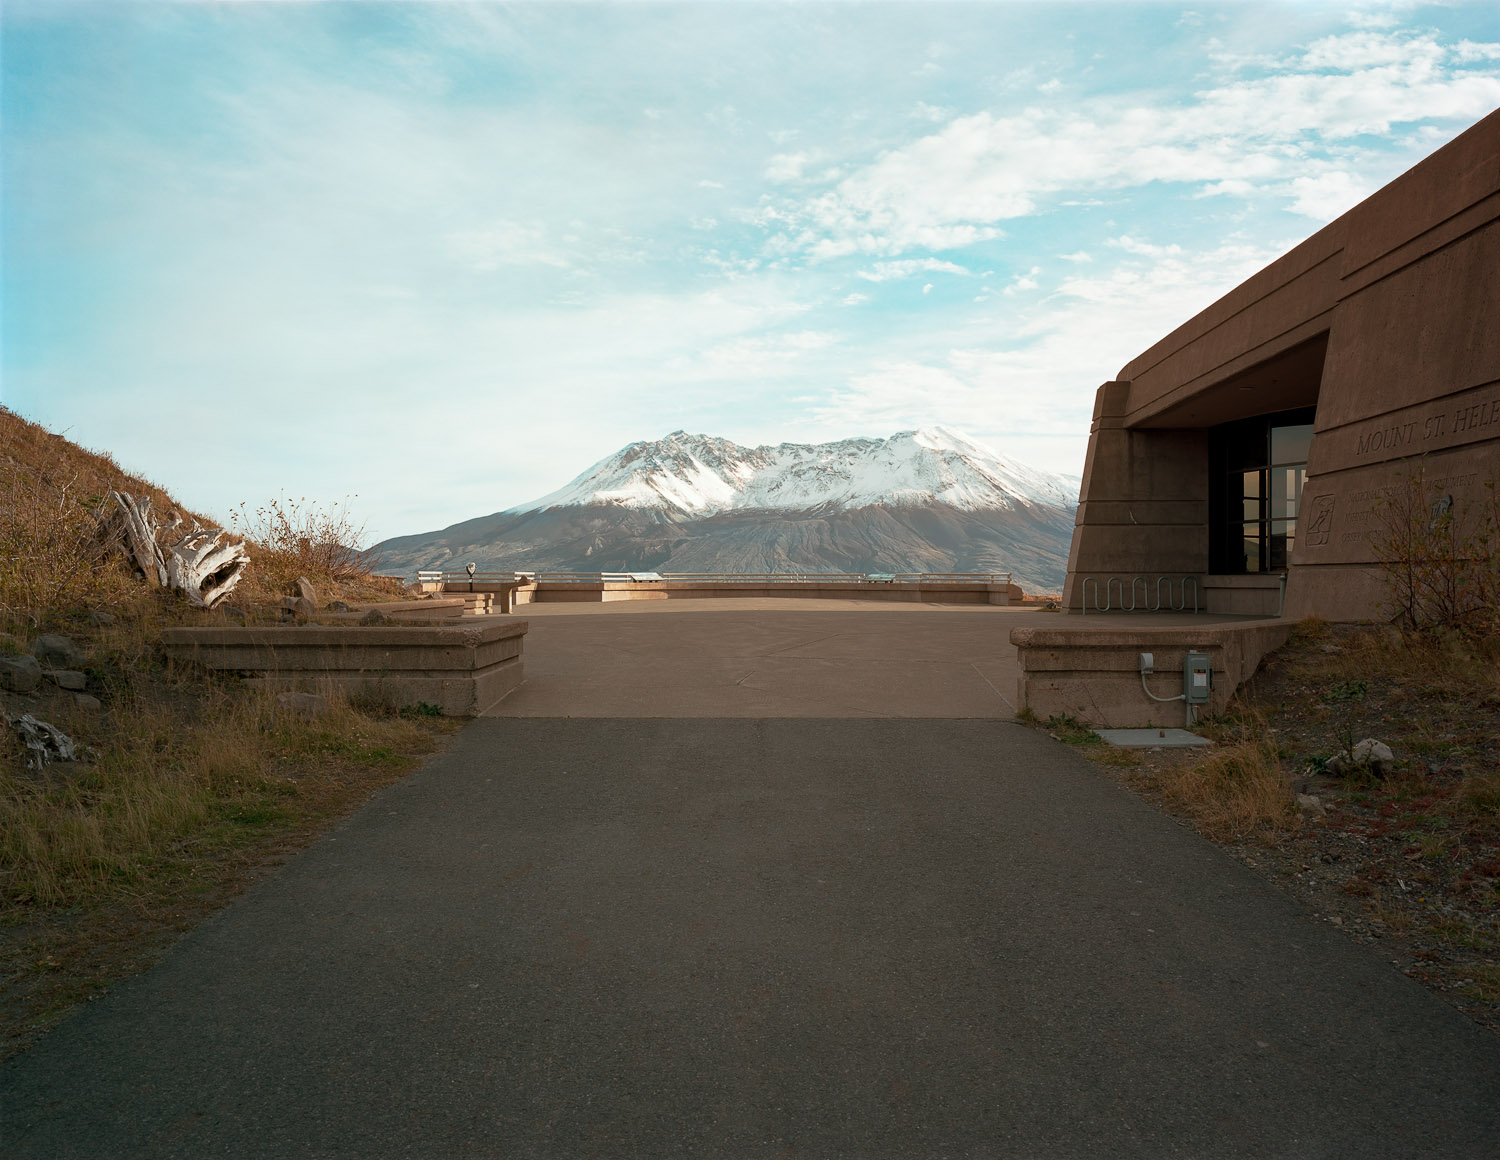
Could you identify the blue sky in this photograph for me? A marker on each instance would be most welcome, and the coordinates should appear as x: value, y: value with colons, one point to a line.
x: 445, y: 256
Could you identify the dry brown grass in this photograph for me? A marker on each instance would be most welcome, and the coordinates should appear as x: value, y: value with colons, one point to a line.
x: 169, y: 785
x: 1237, y: 793
x: 49, y: 489
x: 51, y: 565
x: 191, y: 781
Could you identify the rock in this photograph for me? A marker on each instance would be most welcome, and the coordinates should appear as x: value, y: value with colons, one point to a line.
x: 1309, y: 803
x: 233, y: 612
x: 1375, y: 755
x: 299, y: 607
x: 57, y: 652
x: 303, y: 704
x: 101, y: 619
x: 338, y: 606
x: 87, y: 703
x: 372, y: 617
x: 306, y: 591
x: 1369, y: 754
x: 67, y: 679
x: 20, y: 674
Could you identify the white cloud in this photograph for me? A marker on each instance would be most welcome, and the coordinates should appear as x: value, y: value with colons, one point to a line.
x: 787, y: 166
x: 758, y: 356
x: 1467, y: 52
x: 1077, y: 256
x: 1037, y: 376
x: 1330, y: 194
x: 1251, y: 136
x: 1024, y: 282
x: 1144, y: 248
x: 1376, y: 19
x: 1230, y: 187
x: 855, y: 299
x: 888, y: 271
x: 1363, y: 50
x: 505, y: 243
x: 927, y: 289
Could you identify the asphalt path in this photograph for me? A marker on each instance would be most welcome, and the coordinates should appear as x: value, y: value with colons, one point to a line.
x: 760, y: 938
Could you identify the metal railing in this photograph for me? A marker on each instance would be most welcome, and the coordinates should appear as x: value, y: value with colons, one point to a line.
x: 435, y: 577
x: 1140, y: 585
x: 548, y: 577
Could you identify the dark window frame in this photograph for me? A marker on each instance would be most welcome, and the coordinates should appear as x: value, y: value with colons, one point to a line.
x: 1237, y: 452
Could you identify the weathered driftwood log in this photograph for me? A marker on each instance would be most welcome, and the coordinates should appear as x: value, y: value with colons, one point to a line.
x: 44, y: 741
x: 136, y: 530
x: 204, y: 564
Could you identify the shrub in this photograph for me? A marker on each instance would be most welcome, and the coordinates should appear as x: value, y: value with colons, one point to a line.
x: 1440, y: 554
x: 1239, y: 792
x: 300, y: 537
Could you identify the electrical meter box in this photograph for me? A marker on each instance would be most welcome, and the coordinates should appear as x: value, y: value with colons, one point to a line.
x: 1197, y: 678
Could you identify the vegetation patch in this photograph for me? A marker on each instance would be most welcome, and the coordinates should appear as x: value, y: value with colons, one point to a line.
x: 191, y: 785
x: 1407, y: 862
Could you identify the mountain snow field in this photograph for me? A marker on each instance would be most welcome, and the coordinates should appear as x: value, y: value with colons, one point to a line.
x: 699, y: 475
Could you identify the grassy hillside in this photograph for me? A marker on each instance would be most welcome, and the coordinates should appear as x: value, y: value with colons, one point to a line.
x: 190, y: 784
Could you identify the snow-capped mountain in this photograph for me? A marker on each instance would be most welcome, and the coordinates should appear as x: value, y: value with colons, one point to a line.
x: 919, y: 501
x: 699, y: 475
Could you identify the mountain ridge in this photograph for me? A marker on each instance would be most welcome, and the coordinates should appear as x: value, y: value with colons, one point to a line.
x: 702, y: 475
x: 918, y: 501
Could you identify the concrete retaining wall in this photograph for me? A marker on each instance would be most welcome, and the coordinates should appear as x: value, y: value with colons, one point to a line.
x: 464, y: 669
x: 1093, y: 674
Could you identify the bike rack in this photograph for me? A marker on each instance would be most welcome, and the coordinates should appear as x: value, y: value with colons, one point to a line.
x: 1139, y: 589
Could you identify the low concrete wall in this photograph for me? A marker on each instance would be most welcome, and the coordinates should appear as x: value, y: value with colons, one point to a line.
x: 464, y: 669
x: 1093, y: 674
x: 609, y: 590
x: 424, y: 611
x: 1251, y: 595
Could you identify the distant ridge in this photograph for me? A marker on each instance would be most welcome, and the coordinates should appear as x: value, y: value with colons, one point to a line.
x: 919, y: 501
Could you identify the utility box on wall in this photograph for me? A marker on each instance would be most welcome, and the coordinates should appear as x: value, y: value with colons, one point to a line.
x: 1197, y: 678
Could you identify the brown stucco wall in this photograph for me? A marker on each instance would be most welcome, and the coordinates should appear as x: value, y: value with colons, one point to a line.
x: 1386, y: 320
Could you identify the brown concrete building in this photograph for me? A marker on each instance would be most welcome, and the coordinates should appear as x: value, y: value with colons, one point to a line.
x: 1251, y: 447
